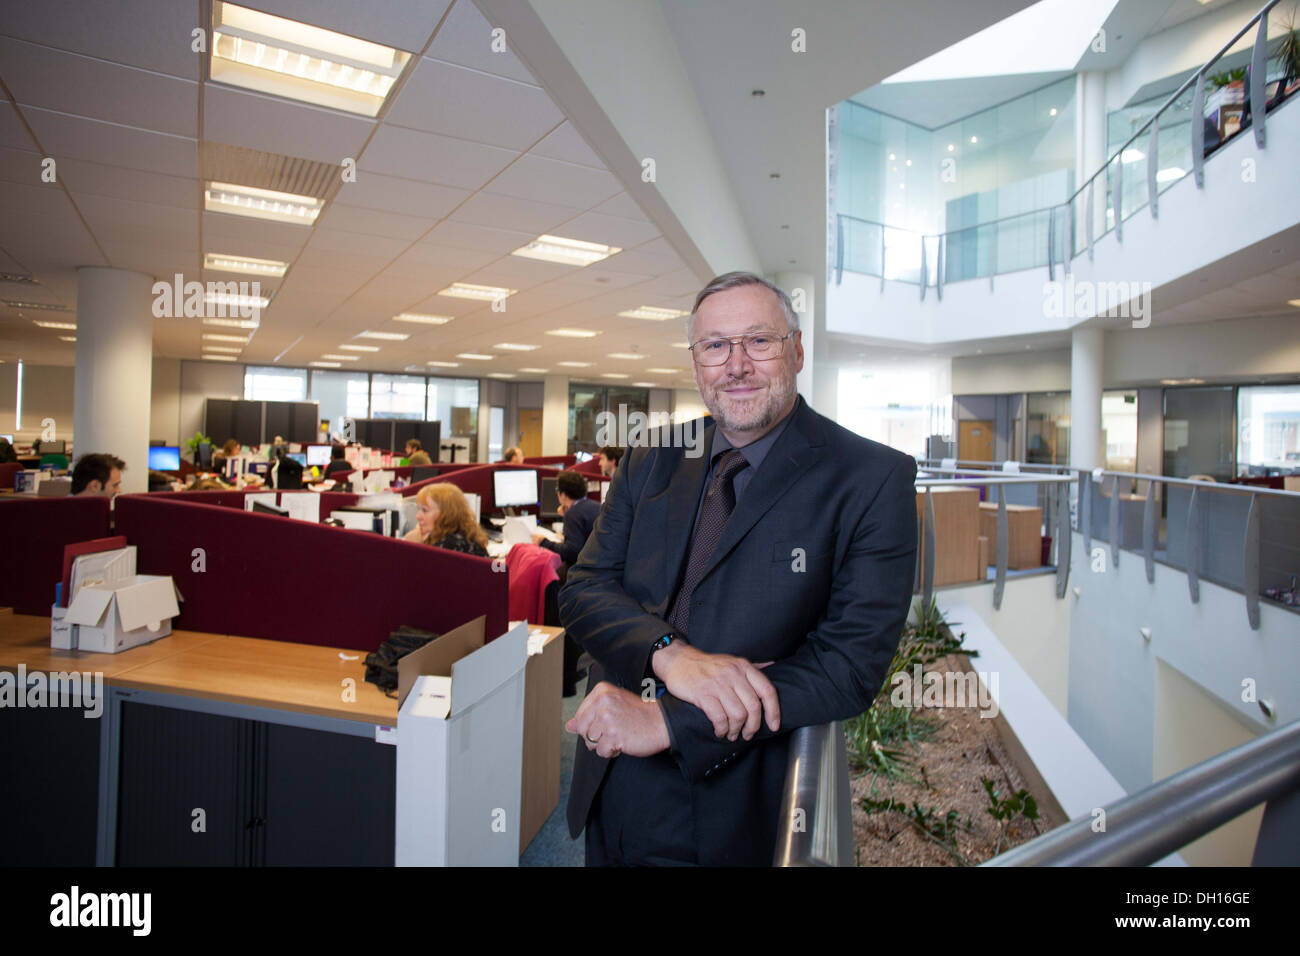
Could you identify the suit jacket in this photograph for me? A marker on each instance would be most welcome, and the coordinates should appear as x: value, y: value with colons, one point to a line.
x: 814, y: 571
x: 579, y: 519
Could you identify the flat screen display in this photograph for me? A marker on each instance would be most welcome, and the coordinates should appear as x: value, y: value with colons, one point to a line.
x: 165, y: 458
x: 514, y: 487
x: 318, y: 455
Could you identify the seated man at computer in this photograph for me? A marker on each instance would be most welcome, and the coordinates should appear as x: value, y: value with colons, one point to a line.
x: 609, y: 457
x: 338, y: 461
x: 97, y: 474
x: 444, y: 520
x: 514, y: 456
x: 579, y: 513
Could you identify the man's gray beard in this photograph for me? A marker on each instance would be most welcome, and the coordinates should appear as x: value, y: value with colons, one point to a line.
x: 778, y: 399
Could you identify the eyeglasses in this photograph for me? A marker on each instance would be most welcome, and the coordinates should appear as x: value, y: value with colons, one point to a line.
x: 759, y: 346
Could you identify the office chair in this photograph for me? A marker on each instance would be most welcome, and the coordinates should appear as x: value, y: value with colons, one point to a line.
x: 58, y: 461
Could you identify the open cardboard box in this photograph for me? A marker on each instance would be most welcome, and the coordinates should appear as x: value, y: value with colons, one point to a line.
x: 460, y: 734
x: 112, y: 608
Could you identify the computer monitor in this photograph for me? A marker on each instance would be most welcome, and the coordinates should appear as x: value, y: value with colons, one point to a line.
x: 59, y: 447
x: 265, y: 509
x: 204, y: 456
x: 165, y: 458
x: 288, y: 474
x: 580, y: 456
x: 259, y: 468
x: 514, y: 487
x: 423, y: 473
x: 8, y: 438
x: 299, y: 457
x: 318, y: 455
x: 550, y: 496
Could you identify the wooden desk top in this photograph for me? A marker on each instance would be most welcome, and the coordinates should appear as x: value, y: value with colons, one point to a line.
x: 300, y: 677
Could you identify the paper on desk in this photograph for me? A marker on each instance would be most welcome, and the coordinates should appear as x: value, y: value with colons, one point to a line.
x: 303, y: 505
x: 516, y: 531
x: 390, y: 501
x: 536, y: 642
x: 265, y: 497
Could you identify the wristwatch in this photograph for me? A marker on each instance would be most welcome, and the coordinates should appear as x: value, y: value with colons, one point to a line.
x: 658, y: 645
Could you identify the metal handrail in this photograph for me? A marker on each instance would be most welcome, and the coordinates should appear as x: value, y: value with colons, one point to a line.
x: 1085, y: 190
x: 815, y: 826
x: 1149, y: 825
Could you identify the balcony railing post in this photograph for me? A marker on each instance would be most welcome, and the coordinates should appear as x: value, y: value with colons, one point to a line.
x: 1117, y: 197
x: 1051, y: 244
x: 1153, y: 167
x: 1198, y: 130
x: 938, y: 267
x: 1149, y: 532
x: 1113, y: 524
x: 839, y: 249
x: 924, y: 273
x: 882, y: 258
x: 927, y: 566
x: 1258, y: 74
x: 1250, y: 572
x: 1000, y: 578
x: 1194, y: 546
x: 1085, y: 512
x: 1088, y: 216
x: 1064, y: 541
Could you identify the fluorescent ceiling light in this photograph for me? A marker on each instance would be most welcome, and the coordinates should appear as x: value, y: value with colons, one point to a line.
x: 653, y: 312
x: 359, y: 348
x: 476, y: 356
x: 233, y: 323
x: 630, y: 356
x: 385, y: 336
x: 1170, y: 174
x: 1294, y: 302
x: 614, y: 375
x: 681, y: 345
x: 664, y: 371
x: 574, y: 333
x: 515, y: 347
x: 222, y: 348
x: 35, y: 306
x: 209, y: 357
x: 342, y: 358
x: 501, y: 374
x: 444, y: 364
x: 70, y: 326
x: 236, y: 301
x: 256, y: 267
x: 422, y: 319
x: 225, y: 338
x: 569, y: 252
x: 326, y: 364
x: 646, y: 384
x: 576, y: 364
x: 67, y: 338
x: 261, y: 203
x: 485, y: 293
x: 536, y: 371
x: 1132, y: 155
x: 258, y: 51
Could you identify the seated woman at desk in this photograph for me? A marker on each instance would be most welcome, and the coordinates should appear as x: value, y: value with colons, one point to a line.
x: 445, y: 521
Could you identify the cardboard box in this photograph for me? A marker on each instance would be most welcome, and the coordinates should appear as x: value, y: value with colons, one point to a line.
x: 112, y: 608
x: 460, y: 749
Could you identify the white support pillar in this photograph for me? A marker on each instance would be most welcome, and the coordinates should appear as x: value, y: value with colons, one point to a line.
x: 1090, y: 146
x: 555, y: 415
x: 1086, y: 371
x: 802, y: 289
x: 112, y: 386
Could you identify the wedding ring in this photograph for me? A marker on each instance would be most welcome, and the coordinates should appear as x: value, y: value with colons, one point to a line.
x: 591, y: 738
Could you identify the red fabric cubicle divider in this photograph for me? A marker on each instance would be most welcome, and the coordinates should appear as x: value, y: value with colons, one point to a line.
x: 564, y: 461
x: 34, y: 531
x: 589, y: 468
x: 8, y: 471
x: 280, y: 579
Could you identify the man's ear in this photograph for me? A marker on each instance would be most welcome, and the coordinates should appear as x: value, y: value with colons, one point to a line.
x: 95, y: 486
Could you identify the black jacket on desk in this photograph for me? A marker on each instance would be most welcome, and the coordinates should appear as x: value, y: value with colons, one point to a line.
x: 814, y: 571
x: 579, y: 519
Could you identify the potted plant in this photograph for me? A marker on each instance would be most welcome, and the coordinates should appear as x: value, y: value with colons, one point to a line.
x: 1288, y: 52
x: 193, y: 445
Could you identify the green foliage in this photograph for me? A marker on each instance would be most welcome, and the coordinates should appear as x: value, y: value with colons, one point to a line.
x: 941, y: 830
x: 1217, y: 80
x: 193, y: 443
x: 1006, y: 809
x: 1289, y: 51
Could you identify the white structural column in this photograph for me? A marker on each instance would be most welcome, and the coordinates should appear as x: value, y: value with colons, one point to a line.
x: 1090, y: 147
x: 113, y: 382
x: 1086, y: 367
x: 802, y: 289
x: 555, y: 415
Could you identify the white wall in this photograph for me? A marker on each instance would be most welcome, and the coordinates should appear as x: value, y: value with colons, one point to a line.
x: 165, y: 411
x: 1227, y: 350
x: 1046, y: 371
x: 687, y: 405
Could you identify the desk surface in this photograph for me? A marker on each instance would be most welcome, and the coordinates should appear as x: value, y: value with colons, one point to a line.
x: 243, y: 670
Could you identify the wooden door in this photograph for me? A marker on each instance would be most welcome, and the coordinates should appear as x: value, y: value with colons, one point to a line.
x: 975, y: 440
x: 530, y: 431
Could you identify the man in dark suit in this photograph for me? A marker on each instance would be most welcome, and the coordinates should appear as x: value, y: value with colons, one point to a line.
x: 579, y: 513
x: 729, y: 597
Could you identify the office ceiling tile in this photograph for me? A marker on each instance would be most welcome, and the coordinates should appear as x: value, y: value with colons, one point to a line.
x: 516, y: 272
x: 372, y: 222
x: 622, y: 206
x: 62, y: 135
x: 497, y: 211
x: 336, y: 240
x: 468, y: 104
x: 223, y: 232
x: 72, y: 83
x: 430, y: 158
x: 549, y: 180
x: 273, y: 125
x: 566, y: 144
x: 429, y: 257
x: 624, y: 233
x: 12, y: 133
x: 96, y: 179
x: 162, y: 261
x: 20, y: 166
x: 149, y: 34
x: 466, y: 39
x: 402, y: 24
x: 405, y: 196
x: 501, y: 239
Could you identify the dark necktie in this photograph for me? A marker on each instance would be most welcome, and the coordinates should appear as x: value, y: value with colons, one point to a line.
x: 719, y: 502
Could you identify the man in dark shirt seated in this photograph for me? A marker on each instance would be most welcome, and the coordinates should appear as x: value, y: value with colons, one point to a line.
x: 338, y: 461
x: 579, y: 513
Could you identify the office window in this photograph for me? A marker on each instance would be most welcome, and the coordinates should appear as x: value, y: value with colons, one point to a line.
x: 1047, y: 428
x: 496, y: 432
x: 1199, y: 432
x: 454, y: 403
x: 1119, y: 426
x: 899, y: 409
x: 1268, y: 429
x: 270, y: 384
x: 397, y: 396
x: 341, y: 395
x: 586, y: 402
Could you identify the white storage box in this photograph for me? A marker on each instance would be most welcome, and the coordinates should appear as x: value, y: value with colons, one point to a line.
x: 460, y: 735
x: 112, y: 608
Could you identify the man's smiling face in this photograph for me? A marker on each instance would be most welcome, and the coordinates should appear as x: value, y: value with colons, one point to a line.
x: 746, y: 397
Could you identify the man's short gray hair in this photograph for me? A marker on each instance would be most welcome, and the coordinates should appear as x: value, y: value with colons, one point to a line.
x: 734, y: 280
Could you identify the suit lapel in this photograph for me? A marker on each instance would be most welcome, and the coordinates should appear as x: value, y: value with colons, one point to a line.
x: 789, y: 458
x: 683, y: 497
